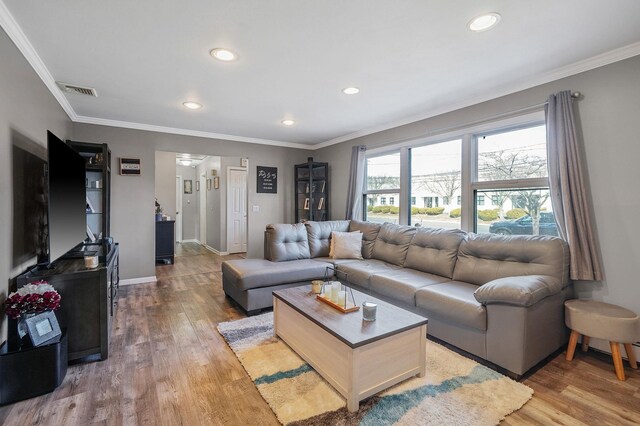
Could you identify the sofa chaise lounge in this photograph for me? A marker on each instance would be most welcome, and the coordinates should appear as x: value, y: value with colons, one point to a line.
x: 499, y: 298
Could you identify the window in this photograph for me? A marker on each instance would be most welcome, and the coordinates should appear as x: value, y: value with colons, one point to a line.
x: 435, y: 177
x: 382, y: 184
x: 512, y: 170
x: 499, y: 171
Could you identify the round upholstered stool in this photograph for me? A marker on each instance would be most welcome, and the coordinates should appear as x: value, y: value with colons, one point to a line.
x: 602, y: 321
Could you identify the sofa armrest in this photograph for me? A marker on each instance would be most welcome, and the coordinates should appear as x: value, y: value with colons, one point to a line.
x: 524, y: 290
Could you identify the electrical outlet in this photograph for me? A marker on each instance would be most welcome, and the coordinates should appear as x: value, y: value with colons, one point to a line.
x: 256, y: 209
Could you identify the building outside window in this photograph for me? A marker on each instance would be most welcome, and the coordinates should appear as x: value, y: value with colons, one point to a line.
x: 435, y: 176
x: 480, y: 200
x: 382, y: 182
x: 413, y: 201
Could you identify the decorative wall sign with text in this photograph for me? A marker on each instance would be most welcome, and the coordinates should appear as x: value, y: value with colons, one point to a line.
x: 130, y: 166
x: 267, y: 180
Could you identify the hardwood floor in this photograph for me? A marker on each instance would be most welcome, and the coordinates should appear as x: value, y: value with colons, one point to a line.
x: 168, y: 365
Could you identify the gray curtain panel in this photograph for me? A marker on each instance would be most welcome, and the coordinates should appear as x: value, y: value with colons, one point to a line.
x: 356, y: 183
x: 569, y: 196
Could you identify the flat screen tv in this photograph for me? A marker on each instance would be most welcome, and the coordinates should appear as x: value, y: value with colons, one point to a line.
x: 67, y: 198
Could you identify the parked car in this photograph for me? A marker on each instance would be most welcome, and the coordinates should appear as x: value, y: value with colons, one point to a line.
x: 523, y: 226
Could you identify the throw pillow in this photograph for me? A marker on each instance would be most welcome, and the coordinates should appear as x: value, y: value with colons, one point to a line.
x: 346, y: 245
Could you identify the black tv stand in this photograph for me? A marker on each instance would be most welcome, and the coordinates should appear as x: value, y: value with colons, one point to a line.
x: 89, y: 298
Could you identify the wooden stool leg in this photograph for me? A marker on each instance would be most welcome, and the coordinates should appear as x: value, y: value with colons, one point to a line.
x: 585, y: 343
x: 630, y: 355
x: 573, y: 341
x: 617, y: 360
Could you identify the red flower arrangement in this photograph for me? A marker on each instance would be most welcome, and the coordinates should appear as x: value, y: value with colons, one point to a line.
x: 33, y: 298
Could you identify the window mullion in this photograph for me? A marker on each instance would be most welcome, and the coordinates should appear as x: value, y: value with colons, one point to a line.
x: 468, y: 173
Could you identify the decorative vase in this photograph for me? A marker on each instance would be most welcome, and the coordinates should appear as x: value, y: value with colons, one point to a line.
x: 158, y: 217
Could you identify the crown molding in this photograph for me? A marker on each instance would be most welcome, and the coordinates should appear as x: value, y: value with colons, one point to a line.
x: 23, y: 44
x: 597, y: 61
x: 186, y: 132
x: 15, y: 33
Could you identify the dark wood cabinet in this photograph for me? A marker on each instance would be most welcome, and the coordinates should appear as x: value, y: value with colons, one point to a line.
x: 89, y: 298
x: 165, y: 241
x: 97, y: 158
x: 311, y: 191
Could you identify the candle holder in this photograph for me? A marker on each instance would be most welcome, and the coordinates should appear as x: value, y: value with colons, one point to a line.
x: 332, y: 293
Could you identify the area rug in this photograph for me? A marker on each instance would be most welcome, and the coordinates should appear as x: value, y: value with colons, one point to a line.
x: 455, y: 390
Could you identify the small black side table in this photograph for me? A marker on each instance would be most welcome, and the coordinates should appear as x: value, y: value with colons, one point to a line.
x: 165, y: 241
x: 32, y: 371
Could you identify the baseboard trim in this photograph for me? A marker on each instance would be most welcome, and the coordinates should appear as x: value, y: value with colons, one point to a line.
x: 141, y: 280
x: 219, y: 253
x: 603, y: 346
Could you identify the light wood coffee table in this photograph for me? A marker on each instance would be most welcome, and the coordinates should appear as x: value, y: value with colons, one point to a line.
x: 358, y: 358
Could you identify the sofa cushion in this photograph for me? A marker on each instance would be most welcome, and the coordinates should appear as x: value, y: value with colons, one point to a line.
x: 393, y: 242
x: 369, y: 234
x: 434, y: 250
x: 486, y: 257
x: 319, y: 235
x: 401, y: 284
x: 286, y: 242
x: 346, y: 245
x: 246, y: 274
x: 359, y: 271
x: 453, y: 301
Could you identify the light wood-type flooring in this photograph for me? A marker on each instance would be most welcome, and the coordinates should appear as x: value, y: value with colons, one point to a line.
x: 169, y: 366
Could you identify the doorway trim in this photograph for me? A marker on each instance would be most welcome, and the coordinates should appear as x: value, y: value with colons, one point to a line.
x: 202, y: 213
x: 178, y: 217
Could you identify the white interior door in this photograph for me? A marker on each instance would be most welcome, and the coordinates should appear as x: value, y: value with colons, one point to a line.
x: 203, y: 209
x: 236, y: 210
x: 178, y: 209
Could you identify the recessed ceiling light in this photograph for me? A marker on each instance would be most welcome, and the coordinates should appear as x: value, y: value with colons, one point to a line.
x: 185, y: 162
x: 223, y: 54
x: 484, y: 22
x: 288, y: 122
x: 192, y: 105
x: 350, y: 90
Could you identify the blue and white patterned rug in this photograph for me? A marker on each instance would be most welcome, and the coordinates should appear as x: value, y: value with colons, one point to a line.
x: 455, y: 390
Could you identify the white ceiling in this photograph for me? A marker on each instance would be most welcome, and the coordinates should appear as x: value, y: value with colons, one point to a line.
x: 411, y: 59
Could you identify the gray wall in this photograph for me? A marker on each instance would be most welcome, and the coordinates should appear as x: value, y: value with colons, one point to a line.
x: 165, y: 182
x: 133, y: 225
x: 189, y: 210
x: 609, y: 116
x: 27, y: 111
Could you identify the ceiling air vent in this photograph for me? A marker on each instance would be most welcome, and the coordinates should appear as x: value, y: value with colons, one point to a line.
x: 72, y: 88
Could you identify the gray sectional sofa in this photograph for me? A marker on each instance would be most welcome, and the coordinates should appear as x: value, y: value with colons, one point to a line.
x: 499, y: 298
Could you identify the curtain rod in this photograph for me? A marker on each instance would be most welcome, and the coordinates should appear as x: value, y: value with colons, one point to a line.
x: 531, y: 108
